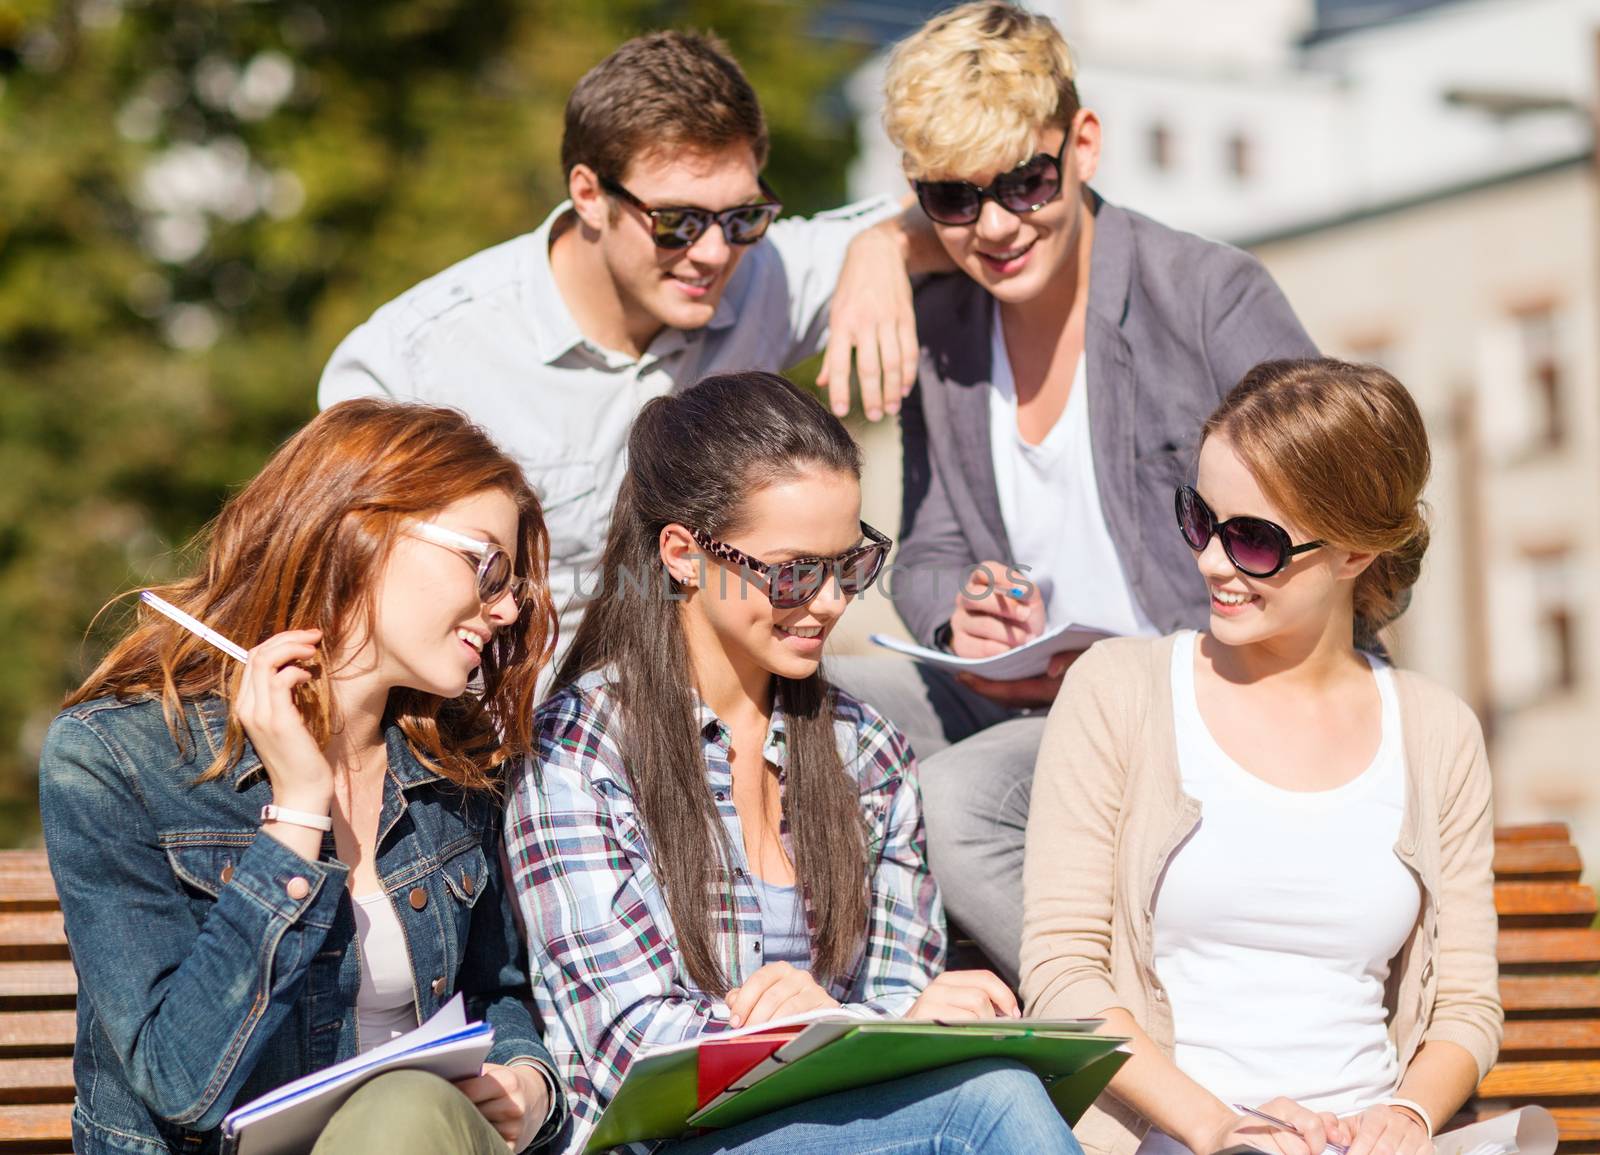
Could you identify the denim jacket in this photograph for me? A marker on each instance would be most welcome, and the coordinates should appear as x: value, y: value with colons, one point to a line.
x: 203, y: 981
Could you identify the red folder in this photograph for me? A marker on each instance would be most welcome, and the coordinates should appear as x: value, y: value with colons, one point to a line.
x: 724, y: 1061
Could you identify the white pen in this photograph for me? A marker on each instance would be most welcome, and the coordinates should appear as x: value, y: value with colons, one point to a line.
x: 193, y: 625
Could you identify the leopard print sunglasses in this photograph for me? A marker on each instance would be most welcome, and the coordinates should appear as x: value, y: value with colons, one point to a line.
x: 792, y: 584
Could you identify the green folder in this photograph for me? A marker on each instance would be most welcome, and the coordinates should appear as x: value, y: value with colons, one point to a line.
x: 658, y: 1097
x: 878, y: 1052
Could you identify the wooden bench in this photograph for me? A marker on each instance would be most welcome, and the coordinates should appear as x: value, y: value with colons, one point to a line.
x: 1549, y: 981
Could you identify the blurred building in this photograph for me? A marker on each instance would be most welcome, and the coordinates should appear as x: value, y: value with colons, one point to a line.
x: 1420, y: 178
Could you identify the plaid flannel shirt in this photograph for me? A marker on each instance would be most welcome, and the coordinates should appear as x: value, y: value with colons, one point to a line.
x: 607, y: 977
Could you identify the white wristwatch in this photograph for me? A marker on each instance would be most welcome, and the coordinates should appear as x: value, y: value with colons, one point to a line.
x: 271, y: 813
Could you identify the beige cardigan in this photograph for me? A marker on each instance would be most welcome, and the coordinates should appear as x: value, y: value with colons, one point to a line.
x: 1108, y: 810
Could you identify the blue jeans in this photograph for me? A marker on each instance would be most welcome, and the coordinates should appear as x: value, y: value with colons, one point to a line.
x: 989, y: 1105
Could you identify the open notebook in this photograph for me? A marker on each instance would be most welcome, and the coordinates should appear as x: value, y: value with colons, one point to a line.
x: 288, y: 1120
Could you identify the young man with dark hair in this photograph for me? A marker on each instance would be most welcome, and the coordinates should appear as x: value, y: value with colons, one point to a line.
x: 664, y: 265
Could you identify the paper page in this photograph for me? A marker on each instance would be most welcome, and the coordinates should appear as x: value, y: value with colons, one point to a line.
x: 291, y: 1127
x: 1526, y: 1131
x: 1029, y: 660
x: 448, y: 1020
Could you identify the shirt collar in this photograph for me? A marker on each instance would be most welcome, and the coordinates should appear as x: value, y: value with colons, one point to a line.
x: 775, y: 747
x: 554, y: 329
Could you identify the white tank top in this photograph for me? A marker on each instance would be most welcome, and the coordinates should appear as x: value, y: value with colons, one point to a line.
x: 386, y: 1004
x: 1277, y: 919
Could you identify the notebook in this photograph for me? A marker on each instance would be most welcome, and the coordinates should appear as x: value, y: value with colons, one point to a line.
x: 1029, y: 660
x: 287, y: 1121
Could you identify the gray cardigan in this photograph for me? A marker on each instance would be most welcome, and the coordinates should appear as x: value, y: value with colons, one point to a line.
x: 1174, y: 322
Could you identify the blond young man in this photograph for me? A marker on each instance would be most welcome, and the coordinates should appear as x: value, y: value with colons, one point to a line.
x: 663, y: 266
x: 1065, y: 372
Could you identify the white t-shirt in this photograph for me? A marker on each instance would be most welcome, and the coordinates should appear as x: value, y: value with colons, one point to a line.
x: 1277, y: 919
x: 1050, y: 503
x: 386, y: 1006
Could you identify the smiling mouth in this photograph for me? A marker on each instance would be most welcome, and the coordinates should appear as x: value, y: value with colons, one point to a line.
x: 804, y: 633
x: 471, y: 638
x: 1009, y: 255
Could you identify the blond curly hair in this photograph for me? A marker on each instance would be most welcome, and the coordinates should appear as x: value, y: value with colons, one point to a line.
x: 968, y: 92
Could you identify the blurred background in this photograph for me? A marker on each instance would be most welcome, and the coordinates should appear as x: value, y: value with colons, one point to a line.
x: 198, y: 200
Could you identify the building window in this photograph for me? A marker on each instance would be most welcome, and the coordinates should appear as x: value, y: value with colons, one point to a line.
x: 1557, y: 631
x: 1159, y: 141
x: 1539, y: 333
x: 1241, y: 162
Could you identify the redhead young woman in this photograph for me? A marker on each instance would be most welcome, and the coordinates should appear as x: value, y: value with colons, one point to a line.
x: 709, y: 835
x: 266, y: 868
x: 1260, y: 850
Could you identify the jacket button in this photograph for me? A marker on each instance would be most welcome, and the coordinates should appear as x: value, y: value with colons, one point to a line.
x: 466, y: 883
x: 297, y: 888
x: 227, y: 874
x: 437, y: 987
x: 418, y: 898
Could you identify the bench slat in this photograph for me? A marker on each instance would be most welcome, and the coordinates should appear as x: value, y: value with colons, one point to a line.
x: 37, y: 1033
x: 1524, y: 993
x: 1524, y: 947
x: 37, y: 986
x: 36, y: 1081
x: 36, y: 1128
x: 1537, y: 860
x: 1541, y: 1080
x: 1534, y: 832
x: 35, y: 935
x: 1545, y: 899
x: 1526, y: 1036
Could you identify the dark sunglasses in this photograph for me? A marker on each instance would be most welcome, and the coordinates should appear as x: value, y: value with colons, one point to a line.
x: 1025, y: 189
x: 1257, y: 547
x: 680, y: 227
x: 792, y: 584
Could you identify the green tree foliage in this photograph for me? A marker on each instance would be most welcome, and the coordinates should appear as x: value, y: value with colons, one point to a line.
x: 199, y: 199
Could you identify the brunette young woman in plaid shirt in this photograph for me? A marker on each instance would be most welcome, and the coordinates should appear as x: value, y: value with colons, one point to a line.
x: 708, y: 835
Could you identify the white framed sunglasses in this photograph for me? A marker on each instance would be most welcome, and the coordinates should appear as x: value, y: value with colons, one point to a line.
x: 495, y: 571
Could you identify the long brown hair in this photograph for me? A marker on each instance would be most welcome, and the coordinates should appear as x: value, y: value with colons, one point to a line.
x: 693, y: 460
x: 1343, y: 450
x: 301, y: 547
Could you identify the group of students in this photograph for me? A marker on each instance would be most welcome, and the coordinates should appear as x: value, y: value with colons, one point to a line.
x: 535, y: 708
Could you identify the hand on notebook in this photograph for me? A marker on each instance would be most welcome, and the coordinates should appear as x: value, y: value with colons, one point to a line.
x: 962, y: 996
x: 1386, y: 1128
x: 1313, y: 1131
x: 775, y: 991
x: 515, y: 1100
x: 1024, y: 692
x: 993, y: 613
x: 992, y: 617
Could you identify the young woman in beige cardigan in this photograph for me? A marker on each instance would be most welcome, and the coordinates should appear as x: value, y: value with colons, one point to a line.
x: 1259, y: 851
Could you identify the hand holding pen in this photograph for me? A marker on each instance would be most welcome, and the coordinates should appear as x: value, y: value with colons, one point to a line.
x: 263, y: 703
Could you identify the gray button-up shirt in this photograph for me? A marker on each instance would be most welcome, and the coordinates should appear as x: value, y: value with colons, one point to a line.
x: 491, y: 336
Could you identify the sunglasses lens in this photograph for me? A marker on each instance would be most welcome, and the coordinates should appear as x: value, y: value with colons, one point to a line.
x: 494, y: 576
x: 1254, y: 546
x: 747, y: 226
x: 1030, y: 186
x: 860, y: 570
x: 795, y: 583
x: 677, y: 228
x: 950, y: 202
x: 1194, y: 519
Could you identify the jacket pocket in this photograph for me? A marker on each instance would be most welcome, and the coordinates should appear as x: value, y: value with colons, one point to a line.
x: 205, y: 862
